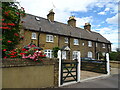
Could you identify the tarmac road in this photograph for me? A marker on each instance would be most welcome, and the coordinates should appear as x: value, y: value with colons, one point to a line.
x: 110, y: 81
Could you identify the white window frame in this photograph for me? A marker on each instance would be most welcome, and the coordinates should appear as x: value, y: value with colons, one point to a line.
x: 66, y: 39
x: 90, y: 54
x: 63, y: 54
x: 33, y: 36
x: 76, y: 42
x: 49, y: 38
x: 89, y: 43
x: 96, y: 44
x: 75, y: 55
x: 48, y: 53
x: 83, y: 44
x: 103, y: 45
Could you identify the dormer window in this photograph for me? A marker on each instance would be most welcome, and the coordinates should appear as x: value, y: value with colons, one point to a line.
x: 89, y: 43
x: 66, y: 40
x: 103, y: 45
x: 34, y: 36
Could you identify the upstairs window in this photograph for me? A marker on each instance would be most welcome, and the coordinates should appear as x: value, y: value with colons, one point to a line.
x: 76, y: 42
x: 89, y: 43
x: 90, y: 54
x: 34, y: 36
x: 66, y: 40
x: 103, y: 45
x: 48, y: 53
x: 49, y: 38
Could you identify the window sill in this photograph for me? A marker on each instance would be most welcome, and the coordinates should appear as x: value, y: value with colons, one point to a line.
x: 34, y: 38
x: 49, y: 41
x: 76, y: 44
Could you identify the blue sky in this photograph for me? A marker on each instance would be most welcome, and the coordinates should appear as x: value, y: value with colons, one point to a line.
x: 102, y: 14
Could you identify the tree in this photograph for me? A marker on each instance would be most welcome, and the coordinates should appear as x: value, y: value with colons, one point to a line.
x: 10, y: 18
x: 55, y: 50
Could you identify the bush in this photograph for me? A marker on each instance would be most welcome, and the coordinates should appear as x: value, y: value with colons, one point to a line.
x: 55, y: 50
x: 115, y: 56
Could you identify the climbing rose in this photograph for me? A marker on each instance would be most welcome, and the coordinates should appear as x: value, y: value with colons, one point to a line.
x: 9, y: 41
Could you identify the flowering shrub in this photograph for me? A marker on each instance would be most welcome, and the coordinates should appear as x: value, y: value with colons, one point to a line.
x: 10, y: 20
x: 32, y: 54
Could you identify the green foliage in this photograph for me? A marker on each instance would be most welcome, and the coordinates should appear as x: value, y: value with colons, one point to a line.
x: 115, y: 56
x: 55, y: 50
x: 10, y: 19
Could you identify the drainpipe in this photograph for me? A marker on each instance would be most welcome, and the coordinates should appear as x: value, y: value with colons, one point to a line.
x: 39, y: 36
x: 69, y: 46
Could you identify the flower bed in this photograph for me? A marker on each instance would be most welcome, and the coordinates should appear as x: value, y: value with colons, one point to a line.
x: 31, y: 53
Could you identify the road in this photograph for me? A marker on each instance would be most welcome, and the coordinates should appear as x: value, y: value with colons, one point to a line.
x: 103, y: 82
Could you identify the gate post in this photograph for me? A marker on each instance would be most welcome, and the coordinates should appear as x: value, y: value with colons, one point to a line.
x: 79, y: 67
x: 59, y: 57
x: 108, y: 63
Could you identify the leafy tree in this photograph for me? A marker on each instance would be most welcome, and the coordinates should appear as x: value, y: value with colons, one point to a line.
x: 10, y: 24
x: 55, y: 50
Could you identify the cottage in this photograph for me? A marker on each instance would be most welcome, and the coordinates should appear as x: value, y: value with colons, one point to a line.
x: 47, y: 34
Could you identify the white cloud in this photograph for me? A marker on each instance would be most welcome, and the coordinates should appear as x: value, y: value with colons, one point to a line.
x: 112, y: 20
x: 81, y: 21
x: 101, y: 13
x: 110, y: 34
x: 107, y: 9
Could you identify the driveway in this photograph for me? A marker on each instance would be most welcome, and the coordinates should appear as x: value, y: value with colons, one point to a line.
x: 110, y: 81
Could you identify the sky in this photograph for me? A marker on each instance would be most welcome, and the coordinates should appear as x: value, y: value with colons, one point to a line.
x: 101, y: 14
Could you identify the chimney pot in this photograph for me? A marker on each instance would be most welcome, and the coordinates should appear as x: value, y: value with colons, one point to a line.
x: 87, y: 26
x: 72, y: 21
x: 50, y: 16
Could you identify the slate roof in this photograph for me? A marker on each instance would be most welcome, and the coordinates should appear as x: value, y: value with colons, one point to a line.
x: 55, y: 27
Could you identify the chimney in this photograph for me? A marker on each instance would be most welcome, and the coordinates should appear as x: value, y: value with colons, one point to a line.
x: 50, y: 16
x: 72, y: 21
x: 87, y: 26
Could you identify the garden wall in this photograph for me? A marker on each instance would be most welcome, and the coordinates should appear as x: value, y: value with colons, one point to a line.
x: 30, y: 75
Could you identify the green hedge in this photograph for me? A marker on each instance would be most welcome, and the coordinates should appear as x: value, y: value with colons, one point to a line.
x: 115, y: 56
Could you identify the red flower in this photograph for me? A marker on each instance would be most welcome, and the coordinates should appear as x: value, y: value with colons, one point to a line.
x: 23, y: 49
x: 9, y: 41
x: 5, y: 57
x: 4, y: 49
x: 4, y: 24
x: 11, y: 24
x: 0, y: 39
x: 3, y: 19
x: 33, y: 46
x: 12, y: 56
x: 4, y: 28
x: 16, y: 34
x: 6, y: 13
x: 22, y: 53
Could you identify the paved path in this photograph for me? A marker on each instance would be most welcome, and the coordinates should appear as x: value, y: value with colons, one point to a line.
x: 110, y: 81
